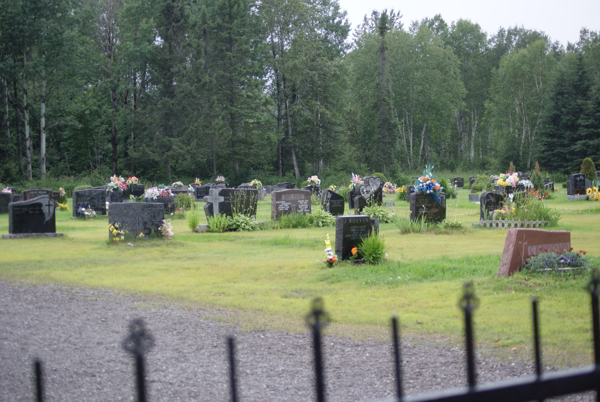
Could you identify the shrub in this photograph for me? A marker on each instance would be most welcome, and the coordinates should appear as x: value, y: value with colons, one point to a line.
x: 320, y: 218
x: 378, y: 212
x: 588, y: 168
x: 538, y: 181
x: 530, y: 208
x: 558, y: 178
x: 402, y: 180
x: 381, y: 176
x: 449, y: 189
x: 481, y: 183
x: 294, y: 221
x: 242, y: 223
x: 184, y: 201
x: 372, y: 249
x: 409, y: 226
x: 553, y: 261
x: 193, y: 220
x: 218, y: 223
x: 82, y: 187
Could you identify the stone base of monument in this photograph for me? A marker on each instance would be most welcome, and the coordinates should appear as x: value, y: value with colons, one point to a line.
x: 28, y: 235
x: 474, y: 197
x: 201, y: 228
x: 577, y: 197
x: 502, y: 224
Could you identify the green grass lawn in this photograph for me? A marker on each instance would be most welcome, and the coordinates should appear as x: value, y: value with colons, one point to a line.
x: 267, y: 278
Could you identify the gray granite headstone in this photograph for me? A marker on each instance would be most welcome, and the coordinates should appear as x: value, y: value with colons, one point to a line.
x: 230, y: 201
x: 5, y: 199
x: 137, y: 217
x: 577, y: 184
x: 36, y: 215
x: 425, y: 205
x: 333, y: 202
x: 93, y: 198
x: 489, y: 202
x: 350, y: 230
x: 292, y: 201
x: 473, y: 197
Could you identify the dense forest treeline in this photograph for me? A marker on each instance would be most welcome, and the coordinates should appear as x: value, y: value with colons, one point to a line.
x: 247, y: 89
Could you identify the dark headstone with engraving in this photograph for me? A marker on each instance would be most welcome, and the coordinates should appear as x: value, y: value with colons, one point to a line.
x: 137, y: 217
x: 333, y: 202
x: 37, y: 192
x: 370, y: 191
x: 410, y: 189
x: 459, y: 182
x: 425, y: 205
x: 93, y: 198
x: 203, y: 191
x: 577, y: 185
x: 472, y: 181
x: 137, y: 190
x: 5, y: 199
x: 291, y: 201
x: 286, y: 185
x: 350, y: 230
x: 488, y: 203
x: 313, y: 188
x: 167, y: 201
x: 230, y: 201
x: 17, y: 197
x: 351, y: 200
x: 114, y: 196
x: 36, y: 215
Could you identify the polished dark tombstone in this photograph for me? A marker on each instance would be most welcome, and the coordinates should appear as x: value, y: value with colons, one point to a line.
x: 230, y: 201
x: 333, y: 202
x: 203, y: 191
x: 350, y: 230
x: 137, y: 217
x: 459, y: 182
x: 370, y: 191
x: 37, y: 192
x: 472, y: 181
x: 36, y: 215
x: 293, y: 201
x: 93, y: 198
x: 313, y: 188
x: 577, y: 184
x: 5, y: 199
x: 168, y: 203
x: 137, y: 190
x: 351, y: 196
x: 489, y: 202
x: 525, y: 176
x: 424, y: 205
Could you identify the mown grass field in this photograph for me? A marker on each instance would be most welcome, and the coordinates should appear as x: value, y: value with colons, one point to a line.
x: 267, y: 278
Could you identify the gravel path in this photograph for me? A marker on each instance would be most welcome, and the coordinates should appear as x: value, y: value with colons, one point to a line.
x: 77, y: 333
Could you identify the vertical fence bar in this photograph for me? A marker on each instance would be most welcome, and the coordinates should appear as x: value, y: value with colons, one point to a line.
x: 138, y: 343
x: 317, y: 320
x: 468, y: 304
x: 397, y: 358
x: 593, y: 285
x: 536, y: 339
x: 39, y: 380
x: 232, y: 375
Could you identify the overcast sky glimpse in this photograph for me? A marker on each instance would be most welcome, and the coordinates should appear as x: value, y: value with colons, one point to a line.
x: 559, y: 19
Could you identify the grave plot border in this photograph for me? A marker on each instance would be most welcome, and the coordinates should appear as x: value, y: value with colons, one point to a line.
x: 504, y: 224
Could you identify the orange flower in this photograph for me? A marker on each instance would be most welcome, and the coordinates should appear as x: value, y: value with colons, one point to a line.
x: 354, y: 250
x: 437, y: 187
x: 583, y: 252
x: 433, y: 181
x: 570, y: 248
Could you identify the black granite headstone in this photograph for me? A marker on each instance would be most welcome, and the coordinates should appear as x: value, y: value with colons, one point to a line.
x: 204, y: 190
x: 351, y: 200
x: 350, y: 230
x: 333, y: 202
x: 459, y: 182
x: 577, y: 185
x: 94, y: 199
x: 488, y: 203
x: 230, y: 201
x: 136, y: 217
x: 291, y: 201
x: 525, y: 176
x: 168, y: 203
x: 5, y: 199
x: 36, y: 192
x: 114, y: 196
x: 425, y: 205
x: 137, y: 190
x: 36, y: 215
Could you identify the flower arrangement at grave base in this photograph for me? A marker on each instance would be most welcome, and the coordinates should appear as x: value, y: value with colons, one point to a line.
x: 115, y: 233
x: 507, y: 179
x: 563, y: 260
x: 314, y: 180
x: 220, y: 179
x: 62, y: 207
x: 166, y: 229
x: 426, y: 184
x: 332, y: 188
x: 6, y: 190
x: 256, y: 184
x: 540, y: 194
x: 330, y: 257
x: 117, y: 183
x: 177, y: 184
x: 356, y: 180
x: 157, y: 191
x: 197, y: 181
x: 354, y: 255
x: 389, y: 188
x: 86, y: 212
x: 593, y: 193
x: 132, y: 180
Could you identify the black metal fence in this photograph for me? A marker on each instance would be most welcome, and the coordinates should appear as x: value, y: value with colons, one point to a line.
x: 536, y: 387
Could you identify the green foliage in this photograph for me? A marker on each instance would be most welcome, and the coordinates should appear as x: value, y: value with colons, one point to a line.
x: 537, y: 180
x: 558, y: 178
x: 82, y: 187
x: 588, y: 168
x: 218, y: 223
x: 242, y: 223
x: 402, y: 180
x: 449, y: 189
x: 553, y: 262
x: 378, y: 212
x: 481, y: 183
x: 193, y: 220
x: 381, y: 176
x: 184, y: 201
x: 321, y: 218
x: 530, y: 208
x: 372, y: 249
x: 343, y: 191
x: 409, y: 226
x: 293, y: 221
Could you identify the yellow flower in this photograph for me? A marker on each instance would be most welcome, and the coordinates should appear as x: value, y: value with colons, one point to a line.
x: 594, y: 189
x: 589, y: 191
x: 597, y: 196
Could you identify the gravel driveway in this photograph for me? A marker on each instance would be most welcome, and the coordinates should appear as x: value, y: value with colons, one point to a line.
x: 77, y: 333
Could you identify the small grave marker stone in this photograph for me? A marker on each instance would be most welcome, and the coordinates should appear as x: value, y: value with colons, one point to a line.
x: 472, y: 181
x: 333, y: 202
x: 350, y: 230
x: 137, y: 217
x: 36, y: 215
x: 520, y: 244
x: 488, y: 203
x: 291, y: 201
x: 5, y: 199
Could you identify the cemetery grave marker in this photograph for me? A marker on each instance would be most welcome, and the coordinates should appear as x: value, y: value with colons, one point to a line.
x: 136, y: 217
x: 459, y: 182
x: 5, y: 199
x: 203, y: 191
x: 36, y: 216
x: 228, y: 201
x: 350, y: 230
x: 37, y: 192
x: 520, y: 244
x: 94, y: 199
x: 488, y: 203
x: 422, y: 204
x: 472, y: 181
x: 114, y: 196
x: 577, y: 184
x: 285, y: 202
x: 286, y: 185
x: 168, y: 203
x: 332, y: 202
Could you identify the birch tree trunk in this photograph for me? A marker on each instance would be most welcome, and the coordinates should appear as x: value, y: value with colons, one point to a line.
x: 28, y: 145
x: 5, y: 122
x: 43, y: 125
x: 473, y: 133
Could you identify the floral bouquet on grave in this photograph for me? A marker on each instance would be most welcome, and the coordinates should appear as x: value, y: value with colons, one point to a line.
x: 86, y: 212
x: 593, y: 193
x: 426, y: 184
x: 330, y: 257
x: 314, y: 180
x: 166, y: 229
x: 256, y: 183
x: 527, y: 184
x: 152, y: 193
x: 507, y: 179
x: 177, y: 184
x: 220, y: 179
x: 389, y: 188
x: 117, y: 183
x: 7, y: 190
x: 132, y: 180
x: 197, y: 181
x: 355, y: 181
x: 115, y: 232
